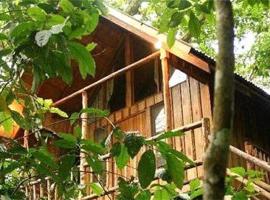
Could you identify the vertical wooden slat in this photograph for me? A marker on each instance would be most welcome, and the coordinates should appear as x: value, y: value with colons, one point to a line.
x: 198, y: 137
x: 177, y: 115
x: 84, y: 136
x: 55, y: 193
x: 49, y: 190
x: 26, y: 139
x: 26, y: 192
x: 166, y: 89
x: 41, y: 190
x: 187, y: 119
x: 129, y: 74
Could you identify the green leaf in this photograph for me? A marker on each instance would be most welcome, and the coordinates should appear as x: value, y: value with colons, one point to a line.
x: 6, y: 122
x: 74, y: 117
x: 176, y: 19
x: 68, y: 141
x: 93, y: 147
x: 96, y: 164
x: 118, y: 134
x: 44, y: 157
x: 66, y: 163
x: 4, y: 17
x: 147, y: 168
x: 22, y: 31
x: 196, y: 193
x: 133, y: 144
x: 60, y: 65
x: 175, y: 169
x: 95, y: 112
x: 55, y: 20
x: 127, y: 189
x: 238, y: 170
x: 123, y: 158
x: 144, y: 195
x: 36, y: 13
x: 165, y: 148
x: 116, y: 149
x: 97, y: 189
x: 171, y: 37
x: 58, y: 112
x: 194, y: 184
x: 18, y: 118
x: 83, y: 57
x: 194, y: 25
x: 66, y: 6
x: 10, y: 97
x: 91, y: 46
x: 241, y: 195
x: 3, y: 36
x: 170, y: 134
x: 11, y: 167
x: 161, y: 194
x: 184, y: 4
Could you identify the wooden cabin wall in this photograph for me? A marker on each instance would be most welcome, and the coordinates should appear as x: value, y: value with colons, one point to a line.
x: 190, y: 103
x: 251, y: 130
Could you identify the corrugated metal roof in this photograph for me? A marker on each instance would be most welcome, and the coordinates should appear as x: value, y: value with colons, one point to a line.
x: 238, y: 77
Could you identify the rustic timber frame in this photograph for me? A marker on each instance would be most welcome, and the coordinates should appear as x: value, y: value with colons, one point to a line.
x: 187, y: 106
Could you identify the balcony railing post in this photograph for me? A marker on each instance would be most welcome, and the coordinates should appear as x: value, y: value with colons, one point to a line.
x: 84, y: 122
x: 164, y: 56
x: 129, y: 74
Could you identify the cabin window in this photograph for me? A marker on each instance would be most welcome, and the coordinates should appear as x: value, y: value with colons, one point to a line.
x: 176, y: 77
x: 158, y: 126
x: 144, y: 81
x: 100, y: 135
x: 116, y: 88
x: 158, y: 119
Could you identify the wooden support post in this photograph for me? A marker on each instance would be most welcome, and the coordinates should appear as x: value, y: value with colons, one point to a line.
x: 166, y: 89
x: 129, y: 74
x: 84, y: 136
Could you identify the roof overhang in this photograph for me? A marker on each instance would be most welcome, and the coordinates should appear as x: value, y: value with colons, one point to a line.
x: 180, y: 49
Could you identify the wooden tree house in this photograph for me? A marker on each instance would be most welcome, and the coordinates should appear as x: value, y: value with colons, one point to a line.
x: 151, y: 90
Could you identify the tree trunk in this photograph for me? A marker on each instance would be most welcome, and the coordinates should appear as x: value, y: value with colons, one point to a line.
x: 217, y: 154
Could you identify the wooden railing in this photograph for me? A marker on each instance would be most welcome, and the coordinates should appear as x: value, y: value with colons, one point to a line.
x: 38, y: 189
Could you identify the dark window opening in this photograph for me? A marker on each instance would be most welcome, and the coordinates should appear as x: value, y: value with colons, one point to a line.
x: 118, y: 94
x: 146, y: 77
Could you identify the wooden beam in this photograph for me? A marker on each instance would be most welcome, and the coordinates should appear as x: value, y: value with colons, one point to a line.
x: 129, y: 75
x: 262, y: 164
x: 84, y: 136
x: 110, y: 76
x: 181, y: 49
x: 166, y: 89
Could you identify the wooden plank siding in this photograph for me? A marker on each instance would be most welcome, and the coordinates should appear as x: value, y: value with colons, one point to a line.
x: 188, y: 105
